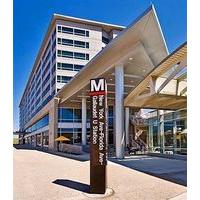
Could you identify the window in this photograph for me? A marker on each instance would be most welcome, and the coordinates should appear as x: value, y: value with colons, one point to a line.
x: 77, y: 115
x: 53, y: 45
x: 67, y: 42
x: 74, y: 43
x: 87, y: 56
x: 77, y: 135
x: 63, y: 79
x: 46, y: 59
x: 81, y: 44
x: 46, y: 80
x: 38, y: 74
x: 66, y: 54
x: 65, y: 66
x: 105, y: 40
x: 65, y: 130
x: 59, y: 53
x: 39, y: 124
x: 32, y: 100
x: 46, y: 50
x: 69, y: 115
x: 53, y: 69
x: 53, y: 81
x: 38, y: 92
x: 67, y: 30
x: 80, y: 32
x: 59, y: 41
x: 59, y: 29
x: 46, y: 90
x: 76, y: 55
x: 53, y: 57
x: 46, y: 70
x: 65, y: 115
x: 53, y: 93
x: 37, y: 101
x: 46, y: 100
x: 110, y: 117
x: 78, y: 67
x: 81, y: 56
x: 87, y: 33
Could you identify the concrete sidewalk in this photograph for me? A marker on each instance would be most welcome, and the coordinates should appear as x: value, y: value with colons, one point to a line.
x: 180, y: 197
x: 43, y: 176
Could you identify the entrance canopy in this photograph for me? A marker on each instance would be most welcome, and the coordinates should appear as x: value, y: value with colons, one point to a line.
x: 165, y: 87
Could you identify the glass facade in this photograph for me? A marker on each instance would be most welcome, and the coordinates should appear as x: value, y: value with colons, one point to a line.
x: 162, y: 131
x: 167, y: 132
x: 74, y: 115
x: 69, y: 115
x: 39, y: 124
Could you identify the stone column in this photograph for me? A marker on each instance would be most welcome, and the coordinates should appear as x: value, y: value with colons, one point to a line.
x: 53, y: 123
x: 119, y: 110
x: 127, y: 113
x: 84, y: 121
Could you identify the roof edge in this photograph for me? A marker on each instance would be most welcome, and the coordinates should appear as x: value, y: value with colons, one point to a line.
x: 159, y: 26
x: 92, y: 22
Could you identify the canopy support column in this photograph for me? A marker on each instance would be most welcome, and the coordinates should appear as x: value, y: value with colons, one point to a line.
x: 119, y: 110
x: 84, y: 121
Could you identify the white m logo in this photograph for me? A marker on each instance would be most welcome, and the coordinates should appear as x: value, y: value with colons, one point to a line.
x: 97, y: 86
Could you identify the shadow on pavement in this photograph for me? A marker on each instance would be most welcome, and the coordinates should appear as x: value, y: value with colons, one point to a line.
x: 73, y: 185
x: 168, y: 169
x: 76, y: 157
x: 22, y: 146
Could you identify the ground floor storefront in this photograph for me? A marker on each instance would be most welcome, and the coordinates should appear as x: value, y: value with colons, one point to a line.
x: 145, y: 131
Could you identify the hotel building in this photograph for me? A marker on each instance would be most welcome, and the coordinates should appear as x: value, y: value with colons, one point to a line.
x: 139, y: 72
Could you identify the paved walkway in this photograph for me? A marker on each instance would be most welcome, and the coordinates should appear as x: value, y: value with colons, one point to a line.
x: 42, y: 176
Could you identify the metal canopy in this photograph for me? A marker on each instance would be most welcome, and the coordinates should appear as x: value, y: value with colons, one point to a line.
x: 165, y: 87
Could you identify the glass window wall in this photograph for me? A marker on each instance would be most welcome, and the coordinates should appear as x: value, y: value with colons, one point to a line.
x: 174, y: 132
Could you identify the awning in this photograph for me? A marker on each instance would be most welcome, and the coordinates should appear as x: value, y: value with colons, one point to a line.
x: 62, y: 139
x: 165, y: 87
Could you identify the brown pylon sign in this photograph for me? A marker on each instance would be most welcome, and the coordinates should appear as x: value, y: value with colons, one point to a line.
x: 98, y: 136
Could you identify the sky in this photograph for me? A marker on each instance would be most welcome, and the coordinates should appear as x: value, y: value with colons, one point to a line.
x: 31, y: 19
